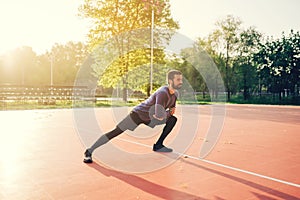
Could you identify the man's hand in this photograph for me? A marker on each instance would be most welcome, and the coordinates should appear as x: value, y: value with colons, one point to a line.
x: 158, y: 118
x: 172, y: 110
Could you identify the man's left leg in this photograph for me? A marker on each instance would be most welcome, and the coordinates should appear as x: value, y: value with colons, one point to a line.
x: 158, y: 146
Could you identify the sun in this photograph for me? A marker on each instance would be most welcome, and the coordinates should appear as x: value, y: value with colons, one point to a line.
x: 40, y: 24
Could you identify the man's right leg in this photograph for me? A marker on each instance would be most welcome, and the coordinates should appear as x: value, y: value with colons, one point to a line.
x: 101, y: 141
x: 128, y: 123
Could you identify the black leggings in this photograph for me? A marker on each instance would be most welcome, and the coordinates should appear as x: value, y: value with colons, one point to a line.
x: 170, y: 123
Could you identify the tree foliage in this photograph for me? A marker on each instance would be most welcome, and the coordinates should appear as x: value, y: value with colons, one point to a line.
x: 225, y: 39
x: 244, y: 66
x: 23, y: 66
x: 278, y: 64
x: 117, y: 21
x: 248, y: 62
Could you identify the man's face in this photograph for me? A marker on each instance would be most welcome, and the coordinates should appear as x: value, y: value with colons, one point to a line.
x: 176, y: 83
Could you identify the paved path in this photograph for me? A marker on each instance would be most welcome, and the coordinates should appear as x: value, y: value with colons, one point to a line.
x: 256, y: 157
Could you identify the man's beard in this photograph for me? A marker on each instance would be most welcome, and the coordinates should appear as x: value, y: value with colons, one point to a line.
x: 176, y: 87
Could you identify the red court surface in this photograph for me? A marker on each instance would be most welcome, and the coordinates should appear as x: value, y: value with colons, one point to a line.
x: 256, y: 157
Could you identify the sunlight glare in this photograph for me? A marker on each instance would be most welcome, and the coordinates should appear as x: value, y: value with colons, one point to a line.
x: 14, y: 133
x: 39, y: 24
x: 16, y: 139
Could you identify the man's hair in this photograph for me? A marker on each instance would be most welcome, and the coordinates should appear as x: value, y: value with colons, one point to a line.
x: 172, y: 73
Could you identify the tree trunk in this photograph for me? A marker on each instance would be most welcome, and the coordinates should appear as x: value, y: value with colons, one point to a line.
x: 245, y: 87
x: 148, y: 90
x: 227, y: 73
x: 125, y: 95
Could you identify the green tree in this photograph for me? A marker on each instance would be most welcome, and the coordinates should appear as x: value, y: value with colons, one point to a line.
x: 209, y: 46
x: 199, y: 67
x: 225, y: 41
x: 278, y: 64
x: 65, y: 60
x: 193, y: 76
x: 117, y: 20
x: 294, y: 52
x: 138, y: 66
x: 244, y: 65
x: 19, y: 66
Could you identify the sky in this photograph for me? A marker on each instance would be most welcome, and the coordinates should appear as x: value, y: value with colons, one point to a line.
x: 42, y: 23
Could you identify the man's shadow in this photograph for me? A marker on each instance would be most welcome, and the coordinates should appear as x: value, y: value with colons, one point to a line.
x: 165, y: 192
x: 145, y: 185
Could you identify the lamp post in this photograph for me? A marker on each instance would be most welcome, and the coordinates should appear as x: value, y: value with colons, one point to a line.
x: 154, y: 4
x: 51, y: 70
x: 151, y: 50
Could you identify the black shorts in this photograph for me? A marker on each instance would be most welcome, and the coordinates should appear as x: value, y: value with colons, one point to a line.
x: 133, y: 120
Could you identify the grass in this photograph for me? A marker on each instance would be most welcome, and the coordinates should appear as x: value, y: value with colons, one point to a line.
x: 67, y: 104
x: 63, y: 104
x: 266, y: 100
x: 33, y: 105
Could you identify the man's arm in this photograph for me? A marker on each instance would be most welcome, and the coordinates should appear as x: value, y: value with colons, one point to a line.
x: 160, y: 111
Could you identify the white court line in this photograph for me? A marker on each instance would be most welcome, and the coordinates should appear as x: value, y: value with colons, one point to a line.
x: 221, y: 165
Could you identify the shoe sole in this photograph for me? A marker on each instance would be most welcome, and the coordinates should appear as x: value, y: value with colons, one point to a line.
x: 163, y: 151
x: 88, y: 161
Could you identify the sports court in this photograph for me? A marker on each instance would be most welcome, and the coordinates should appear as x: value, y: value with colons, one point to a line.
x: 256, y: 157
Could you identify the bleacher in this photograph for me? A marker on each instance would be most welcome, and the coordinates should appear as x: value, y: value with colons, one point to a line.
x: 43, y: 94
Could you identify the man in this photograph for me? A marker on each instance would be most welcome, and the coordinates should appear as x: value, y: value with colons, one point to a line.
x: 158, y: 109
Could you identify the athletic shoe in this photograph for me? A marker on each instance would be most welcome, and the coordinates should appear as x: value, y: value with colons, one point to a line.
x: 87, y: 157
x: 161, y: 148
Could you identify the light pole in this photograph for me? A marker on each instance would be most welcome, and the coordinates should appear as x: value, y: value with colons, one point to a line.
x: 154, y: 4
x: 151, y: 50
x: 51, y: 70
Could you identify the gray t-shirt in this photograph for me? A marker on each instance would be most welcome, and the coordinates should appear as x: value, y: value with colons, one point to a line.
x: 158, y: 103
